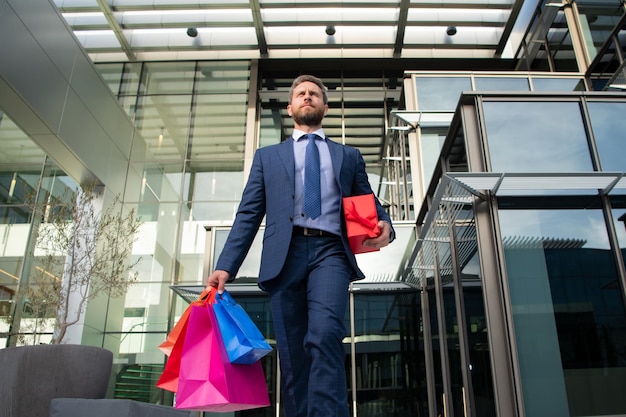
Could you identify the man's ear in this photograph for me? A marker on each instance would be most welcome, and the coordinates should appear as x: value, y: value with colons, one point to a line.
x: 325, y: 110
x: 289, y: 110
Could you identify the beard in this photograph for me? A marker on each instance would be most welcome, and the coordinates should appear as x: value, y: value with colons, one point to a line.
x: 312, y: 117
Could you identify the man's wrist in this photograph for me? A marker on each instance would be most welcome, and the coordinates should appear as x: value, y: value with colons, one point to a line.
x: 392, y: 233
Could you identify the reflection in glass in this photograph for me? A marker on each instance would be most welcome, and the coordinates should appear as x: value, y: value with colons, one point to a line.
x: 32, y: 323
x: 252, y: 262
x: 609, y: 124
x: 193, y: 252
x: 215, y: 188
x: 169, y: 78
x: 456, y: 159
x: 112, y: 75
x: 390, y: 369
x: 501, y: 84
x: 558, y: 84
x: 618, y: 204
x: 163, y: 122
x: 440, y: 93
x: 130, y: 78
x: 596, y: 19
x: 270, y: 130
x: 217, y: 185
x: 568, y: 314
x: 431, y: 142
x: 156, y: 243
x: 479, y: 362
x: 159, y: 183
x: 524, y: 137
x: 436, y: 348
x: 223, y: 77
x: 144, y: 311
x: 17, y: 148
x: 219, y: 126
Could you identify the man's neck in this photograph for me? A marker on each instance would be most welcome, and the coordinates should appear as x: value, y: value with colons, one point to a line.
x: 307, y: 129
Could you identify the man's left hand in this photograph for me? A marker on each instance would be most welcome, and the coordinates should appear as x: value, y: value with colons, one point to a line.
x: 382, y: 239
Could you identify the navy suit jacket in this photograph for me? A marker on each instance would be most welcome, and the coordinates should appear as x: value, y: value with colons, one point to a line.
x: 270, y: 193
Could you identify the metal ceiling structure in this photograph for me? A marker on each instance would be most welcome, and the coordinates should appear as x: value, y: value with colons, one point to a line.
x: 113, y: 31
x: 145, y: 30
x: 376, y: 40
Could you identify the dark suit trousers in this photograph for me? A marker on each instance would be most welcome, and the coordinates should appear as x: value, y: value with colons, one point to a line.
x: 309, y: 300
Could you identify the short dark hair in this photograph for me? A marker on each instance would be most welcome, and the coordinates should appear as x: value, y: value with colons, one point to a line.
x: 310, y: 78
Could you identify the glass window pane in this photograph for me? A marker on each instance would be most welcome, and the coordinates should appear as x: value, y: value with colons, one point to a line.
x: 252, y: 262
x: 223, y: 77
x: 112, y: 74
x: 526, y: 137
x: 440, y: 93
x: 164, y: 125
x: 219, y: 126
x: 389, y: 381
x: 215, y: 188
x: 431, y: 141
x: 192, y: 249
x: 17, y: 148
x: 217, y: 210
x: 216, y: 185
x: 595, y: 18
x: 568, y: 312
x: 159, y: 182
x: 558, y: 84
x: 501, y: 84
x: 130, y: 79
x: 609, y: 124
x: 457, y: 160
x: 7, y: 298
x: 618, y: 204
x: 270, y: 130
x: 169, y: 77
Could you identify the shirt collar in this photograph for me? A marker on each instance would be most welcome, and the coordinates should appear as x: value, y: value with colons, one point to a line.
x: 297, y: 134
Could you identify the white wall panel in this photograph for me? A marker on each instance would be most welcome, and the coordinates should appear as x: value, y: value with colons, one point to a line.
x: 51, y: 89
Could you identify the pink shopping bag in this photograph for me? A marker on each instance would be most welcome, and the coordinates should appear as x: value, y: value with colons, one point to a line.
x: 173, y: 345
x: 207, y: 380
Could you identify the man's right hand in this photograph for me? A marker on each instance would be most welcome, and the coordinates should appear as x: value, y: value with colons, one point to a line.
x: 218, y: 280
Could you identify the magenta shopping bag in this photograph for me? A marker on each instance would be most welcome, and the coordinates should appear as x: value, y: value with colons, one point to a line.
x: 173, y: 345
x: 207, y: 380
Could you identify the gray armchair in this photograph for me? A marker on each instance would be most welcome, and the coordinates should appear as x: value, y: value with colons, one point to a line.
x: 64, y: 381
x: 76, y: 407
x: 34, y: 375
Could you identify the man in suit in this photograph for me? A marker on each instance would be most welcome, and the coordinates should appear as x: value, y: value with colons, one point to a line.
x: 306, y: 262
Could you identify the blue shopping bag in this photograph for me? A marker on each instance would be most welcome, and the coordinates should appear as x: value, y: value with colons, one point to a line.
x: 243, y: 340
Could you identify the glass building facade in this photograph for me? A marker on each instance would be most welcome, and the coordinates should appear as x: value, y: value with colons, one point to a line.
x: 503, y: 294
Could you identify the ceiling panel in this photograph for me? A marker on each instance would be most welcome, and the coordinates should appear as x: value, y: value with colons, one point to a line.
x: 114, y: 30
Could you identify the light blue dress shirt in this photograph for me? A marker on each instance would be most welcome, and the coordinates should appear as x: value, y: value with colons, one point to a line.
x: 330, y: 220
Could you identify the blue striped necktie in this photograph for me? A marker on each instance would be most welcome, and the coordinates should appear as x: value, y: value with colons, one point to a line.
x: 312, y: 189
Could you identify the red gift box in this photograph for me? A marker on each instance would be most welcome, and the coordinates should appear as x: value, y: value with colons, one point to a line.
x: 361, y: 221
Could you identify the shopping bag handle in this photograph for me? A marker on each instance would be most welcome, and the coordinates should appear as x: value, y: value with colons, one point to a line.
x: 225, y: 297
x: 207, y: 296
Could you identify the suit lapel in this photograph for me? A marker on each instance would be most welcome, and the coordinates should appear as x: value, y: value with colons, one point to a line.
x: 285, y: 153
x: 336, y: 155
